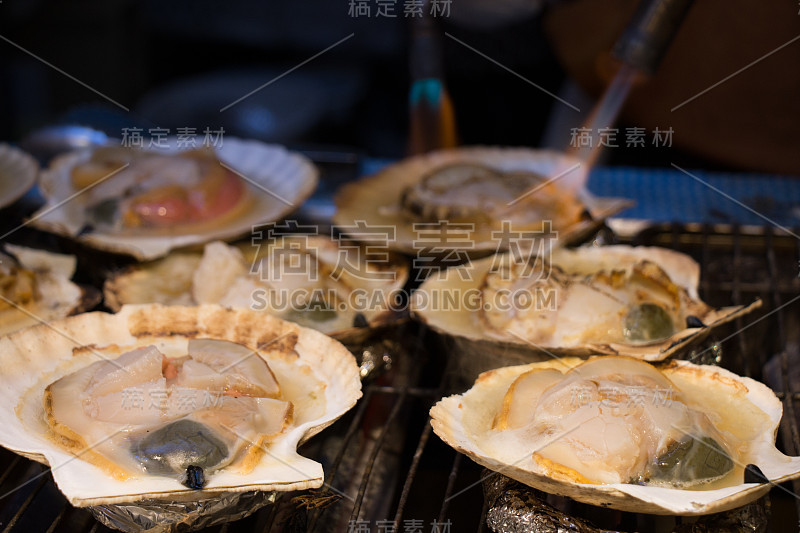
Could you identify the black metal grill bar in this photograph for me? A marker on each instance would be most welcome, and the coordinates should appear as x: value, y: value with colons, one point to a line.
x: 362, y: 489
x: 451, y: 482
x: 25, y: 504
x: 412, y: 472
x: 484, y: 510
x: 57, y: 519
x: 410, y: 391
x: 355, y: 424
x: 736, y: 297
x: 14, y: 462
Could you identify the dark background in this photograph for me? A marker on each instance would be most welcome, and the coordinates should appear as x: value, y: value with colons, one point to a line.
x: 132, y: 51
x: 174, y: 64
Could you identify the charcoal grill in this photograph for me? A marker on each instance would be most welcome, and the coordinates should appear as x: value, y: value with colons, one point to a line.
x: 387, y: 472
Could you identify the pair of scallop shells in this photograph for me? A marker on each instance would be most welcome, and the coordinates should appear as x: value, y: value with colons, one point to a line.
x: 467, y: 421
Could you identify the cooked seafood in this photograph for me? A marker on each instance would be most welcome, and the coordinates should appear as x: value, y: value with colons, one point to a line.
x: 469, y: 192
x: 35, y: 286
x: 151, y: 414
x: 310, y: 280
x: 640, y: 302
x: 155, y: 190
x: 18, y: 173
x: 490, y: 189
x: 619, y: 432
x: 172, y: 402
x: 148, y: 202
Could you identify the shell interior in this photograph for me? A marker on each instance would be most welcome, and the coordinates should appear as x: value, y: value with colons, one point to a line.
x: 310, y: 280
x: 378, y: 200
x: 741, y: 405
x: 18, y: 173
x: 53, y: 295
x: 276, y: 181
x: 317, y: 374
x: 456, y: 303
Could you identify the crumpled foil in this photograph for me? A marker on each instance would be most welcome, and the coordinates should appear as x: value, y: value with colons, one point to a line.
x: 159, y: 516
x: 514, y: 508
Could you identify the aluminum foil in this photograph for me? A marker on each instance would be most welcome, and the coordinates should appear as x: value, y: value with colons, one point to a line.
x: 158, y: 516
x: 514, y: 508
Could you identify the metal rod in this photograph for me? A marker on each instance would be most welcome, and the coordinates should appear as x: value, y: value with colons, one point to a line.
x: 412, y: 472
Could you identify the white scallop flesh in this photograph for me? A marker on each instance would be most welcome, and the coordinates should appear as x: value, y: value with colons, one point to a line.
x: 562, y: 309
x: 109, y: 405
x: 604, y: 420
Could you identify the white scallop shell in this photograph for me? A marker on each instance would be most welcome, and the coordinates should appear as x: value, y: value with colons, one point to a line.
x: 57, y: 296
x: 461, y: 322
x: 278, y: 181
x: 35, y: 357
x: 168, y: 281
x: 376, y: 199
x: 463, y: 421
x: 18, y: 173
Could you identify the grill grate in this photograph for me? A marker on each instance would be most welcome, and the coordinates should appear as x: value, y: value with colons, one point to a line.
x: 393, y: 472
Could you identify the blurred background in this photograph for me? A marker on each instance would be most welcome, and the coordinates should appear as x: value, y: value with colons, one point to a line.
x: 176, y: 64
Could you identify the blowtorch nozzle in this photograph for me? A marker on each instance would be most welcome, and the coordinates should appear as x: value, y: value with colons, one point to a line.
x: 650, y: 32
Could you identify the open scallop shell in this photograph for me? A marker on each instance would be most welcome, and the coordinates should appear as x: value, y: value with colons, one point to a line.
x: 57, y: 297
x: 464, y: 421
x: 377, y: 199
x: 18, y: 172
x: 277, y: 182
x: 170, y: 281
x: 460, y: 321
x: 37, y: 356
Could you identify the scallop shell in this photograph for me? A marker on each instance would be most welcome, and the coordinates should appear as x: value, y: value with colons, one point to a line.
x: 18, y: 172
x: 464, y: 420
x: 58, y: 297
x: 462, y: 323
x: 277, y: 181
x: 35, y: 357
x: 169, y: 281
x: 376, y: 199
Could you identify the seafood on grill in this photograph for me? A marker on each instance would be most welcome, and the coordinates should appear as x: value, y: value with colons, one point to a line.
x: 636, y: 301
x: 622, y: 433
x: 147, y: 202
x: 35, y: 287
x: 333, y: 287
x: 172, y: 403
x: 486, y: 190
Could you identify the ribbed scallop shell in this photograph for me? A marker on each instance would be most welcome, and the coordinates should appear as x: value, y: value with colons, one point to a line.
x: 376, y: 199
x: 463, y: 327
x: 464, y: 420
x: 277, y: 180
x: 18, y: 173
x: 35, y: 357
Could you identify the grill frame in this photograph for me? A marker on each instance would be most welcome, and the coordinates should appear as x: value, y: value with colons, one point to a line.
x: 427, y: 481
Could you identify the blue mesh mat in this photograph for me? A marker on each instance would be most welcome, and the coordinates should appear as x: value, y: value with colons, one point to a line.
x: 668, y: 195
